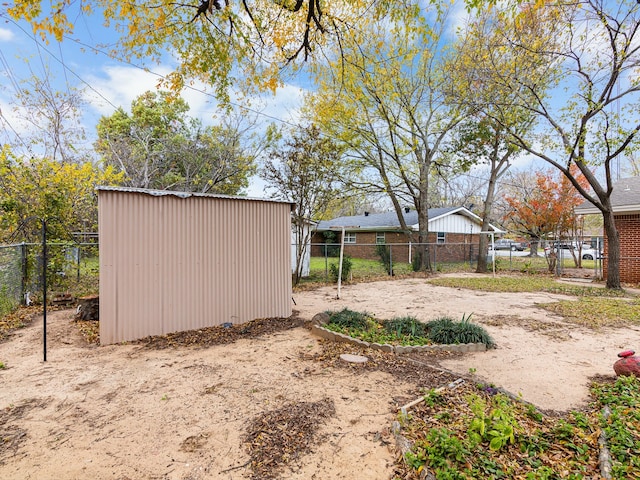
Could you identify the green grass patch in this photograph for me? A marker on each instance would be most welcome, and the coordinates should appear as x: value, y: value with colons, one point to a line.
x: 522, y: 284
x: 622, y: 426
x: 361, y: 270
x: 597, y: 312
x: 447, y: 331
x: 7, y: 305
x: 366, y: 327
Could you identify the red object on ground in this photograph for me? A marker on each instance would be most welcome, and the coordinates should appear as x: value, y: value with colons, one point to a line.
x: 629, y: 364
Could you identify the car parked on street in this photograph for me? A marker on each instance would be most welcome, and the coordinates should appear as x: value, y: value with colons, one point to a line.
x: 507, y: 244
x: 586, y: 251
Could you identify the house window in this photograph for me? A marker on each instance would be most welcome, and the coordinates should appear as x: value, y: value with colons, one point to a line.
x: 349, y: 237
x: 440, y: 237
x: 380, y: 238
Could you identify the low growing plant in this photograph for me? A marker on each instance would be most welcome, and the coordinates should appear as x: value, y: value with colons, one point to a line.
x: 399, y: 331
x: 622, y: 425
x: 401, y: 326
x: 447, y: 331
x: 348, y: 319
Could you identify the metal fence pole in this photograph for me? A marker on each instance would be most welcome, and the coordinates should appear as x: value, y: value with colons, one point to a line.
x: 23, y: 269
x: 44, y: 288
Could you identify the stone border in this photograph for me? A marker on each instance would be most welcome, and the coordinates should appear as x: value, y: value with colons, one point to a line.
x: 398, y: 349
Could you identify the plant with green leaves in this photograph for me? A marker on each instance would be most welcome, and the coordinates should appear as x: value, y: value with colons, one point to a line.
x: 346, y: 269
x: 445, y: 330
x: 348, y: 319
x: 622, y: 424
x: 384, y: 252
x: 405, y: 326
x: 497, y: 427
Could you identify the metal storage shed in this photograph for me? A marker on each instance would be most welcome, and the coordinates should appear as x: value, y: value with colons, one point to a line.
x: 175, y: 261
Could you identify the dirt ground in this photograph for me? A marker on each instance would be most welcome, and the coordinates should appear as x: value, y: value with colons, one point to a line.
x: 181, y: 410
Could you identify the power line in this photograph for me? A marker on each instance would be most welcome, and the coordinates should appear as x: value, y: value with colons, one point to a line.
x: 61, y: 62
x: 188, y: 87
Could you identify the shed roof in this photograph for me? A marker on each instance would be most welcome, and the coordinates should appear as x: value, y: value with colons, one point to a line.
x: 160, y: 193
x: 625, y: 198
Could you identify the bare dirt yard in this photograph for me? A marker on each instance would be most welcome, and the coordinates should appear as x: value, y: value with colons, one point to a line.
x: 268, y: 399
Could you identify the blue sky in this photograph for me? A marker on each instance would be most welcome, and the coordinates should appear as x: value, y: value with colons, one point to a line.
x: 80, y: 62
x: 107, y: 83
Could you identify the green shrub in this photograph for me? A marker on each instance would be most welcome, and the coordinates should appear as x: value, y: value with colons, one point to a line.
x: 404, y: 326
x: 384, y: 252
x: 349, y: 319
x: 346, y: 269
x: 445, y: 330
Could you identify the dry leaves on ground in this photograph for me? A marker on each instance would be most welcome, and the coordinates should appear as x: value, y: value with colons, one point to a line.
x: 19, y: 319
x: 219, y: 335
x: 277, y: 437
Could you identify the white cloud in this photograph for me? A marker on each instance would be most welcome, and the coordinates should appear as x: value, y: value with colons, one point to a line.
x: 12, y: 122
x: 119, y: 86
x: 6, y: 35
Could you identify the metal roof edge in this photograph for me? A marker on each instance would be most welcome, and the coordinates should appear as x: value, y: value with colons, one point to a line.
x: 179, y: 194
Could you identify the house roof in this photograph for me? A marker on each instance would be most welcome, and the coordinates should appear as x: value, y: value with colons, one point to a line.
x: 625, y: 198
x: 389, y: 220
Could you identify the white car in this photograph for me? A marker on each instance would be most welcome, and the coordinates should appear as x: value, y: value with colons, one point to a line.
x: 586, y: 251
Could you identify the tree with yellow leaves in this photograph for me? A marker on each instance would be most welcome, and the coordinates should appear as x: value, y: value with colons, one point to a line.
x: 388, y: 98
x: 41, y: 189
x: 247, y: 44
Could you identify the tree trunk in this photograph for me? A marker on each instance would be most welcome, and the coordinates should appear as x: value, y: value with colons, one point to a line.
x: 88, y: 308
x: 499, y: 165
x: 423, y: 217
x: 483, y: 251
x: 533, y: 247
x: 613, y: 248
x: 483, y: 246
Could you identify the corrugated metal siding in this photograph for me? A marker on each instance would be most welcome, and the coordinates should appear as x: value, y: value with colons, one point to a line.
x: 170, y: 264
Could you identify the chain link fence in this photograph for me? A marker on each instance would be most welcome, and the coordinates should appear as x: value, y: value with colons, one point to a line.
x: 370, y: 260
x: 12, y: 275
x: 71, y: 268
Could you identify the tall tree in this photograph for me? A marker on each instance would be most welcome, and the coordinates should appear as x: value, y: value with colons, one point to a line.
x: 596, y: 59
x: 387, y: 99
x: 484, y: 137
x: 487, y: 143
x: 42, y: 189
x: 48, y: 120
x: 159, y: 146
x: 543, y: 207
x: 304, y: 169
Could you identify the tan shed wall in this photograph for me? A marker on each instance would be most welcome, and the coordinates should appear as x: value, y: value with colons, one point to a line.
x: 170, y: 264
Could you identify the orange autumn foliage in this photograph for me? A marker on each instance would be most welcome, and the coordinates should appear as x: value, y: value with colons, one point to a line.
x: 549, y: 208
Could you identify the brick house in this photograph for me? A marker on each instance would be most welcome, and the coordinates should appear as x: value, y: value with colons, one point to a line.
x: 625, y: 200
x: 454, y: 234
